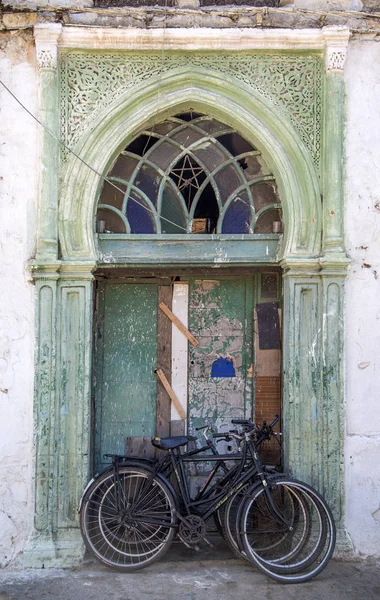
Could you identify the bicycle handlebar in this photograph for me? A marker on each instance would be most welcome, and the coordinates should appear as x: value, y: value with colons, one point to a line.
x: 249, y: 423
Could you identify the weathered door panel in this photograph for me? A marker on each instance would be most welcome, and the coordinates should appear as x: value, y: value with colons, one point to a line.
x: 221, y: 318
x: 125, y: 399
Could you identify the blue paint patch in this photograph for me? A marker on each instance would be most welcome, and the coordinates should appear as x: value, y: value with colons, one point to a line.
x: 223, y: 367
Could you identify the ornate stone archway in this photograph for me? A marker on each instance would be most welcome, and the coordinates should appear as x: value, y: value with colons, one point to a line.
x: 306, y: 161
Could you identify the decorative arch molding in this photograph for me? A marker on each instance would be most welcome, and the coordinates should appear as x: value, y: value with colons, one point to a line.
x: 226, y: 99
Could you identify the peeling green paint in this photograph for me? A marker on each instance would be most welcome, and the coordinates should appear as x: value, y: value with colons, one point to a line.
x: 221, y: 318
x: 125, y: 402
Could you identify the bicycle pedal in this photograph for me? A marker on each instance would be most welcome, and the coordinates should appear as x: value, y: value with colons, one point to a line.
x: 185, y: 543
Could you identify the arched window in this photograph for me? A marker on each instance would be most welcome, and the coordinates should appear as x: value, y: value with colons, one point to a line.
x: 189, y: 174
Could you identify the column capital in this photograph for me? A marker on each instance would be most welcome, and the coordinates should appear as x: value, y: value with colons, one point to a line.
x: 75, y: 271
x: 46, y: 36
x: 336, y: 43
x: 294, y: 266
x: 335, y: 58
x: 54, y: 270
x: 44, y: 270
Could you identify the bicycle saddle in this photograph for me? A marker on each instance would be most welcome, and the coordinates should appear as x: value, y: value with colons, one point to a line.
x: 169, y: 443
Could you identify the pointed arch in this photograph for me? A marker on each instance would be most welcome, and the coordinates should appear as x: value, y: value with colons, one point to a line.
x: 228, y: 100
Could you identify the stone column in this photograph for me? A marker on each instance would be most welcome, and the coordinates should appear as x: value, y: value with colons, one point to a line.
x: 332, y: 152
x: 314, y: 378
x: 45, y: 393
x: 302, y: 359
x: 62, y: 410
x: 74, y: 325
x: 40, y: 550
x: 332, y: 424
x: 46, y: 37
x: 313, y: 319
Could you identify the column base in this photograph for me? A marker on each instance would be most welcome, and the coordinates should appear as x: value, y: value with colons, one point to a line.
x: 65, y: 550
x: 344, y: 548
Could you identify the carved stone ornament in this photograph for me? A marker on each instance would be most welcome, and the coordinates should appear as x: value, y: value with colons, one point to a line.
x: 47, y: 58
x: 90, y: 82
x: 335, y: 59
x: 47, y: 36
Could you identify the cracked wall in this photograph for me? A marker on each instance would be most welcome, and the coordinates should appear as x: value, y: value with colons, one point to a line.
x: 362, y: 446
x: 17, y: 226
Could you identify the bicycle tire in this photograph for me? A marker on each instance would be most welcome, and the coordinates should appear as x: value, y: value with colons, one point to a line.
x: 232, y: 518
x: 295, y: 561
x: 141, y: 532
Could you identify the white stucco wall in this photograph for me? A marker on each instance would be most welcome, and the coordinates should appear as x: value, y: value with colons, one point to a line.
x: 362, y: 220
x: 17, y: 229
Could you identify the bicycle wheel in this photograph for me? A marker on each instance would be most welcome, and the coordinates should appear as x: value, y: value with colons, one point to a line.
x: 295, y: 544
x: 231, y: 518
x: 130, y: 523
x: 266, y: 537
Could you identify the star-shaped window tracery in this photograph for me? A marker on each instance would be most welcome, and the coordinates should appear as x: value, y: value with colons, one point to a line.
x: 188, y: 176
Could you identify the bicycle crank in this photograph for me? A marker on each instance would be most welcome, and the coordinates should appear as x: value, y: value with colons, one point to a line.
x: 192, y: 529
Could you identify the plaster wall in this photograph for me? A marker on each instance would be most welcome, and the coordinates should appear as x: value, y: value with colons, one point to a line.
x: 362, y: 443
x: 17, y: 229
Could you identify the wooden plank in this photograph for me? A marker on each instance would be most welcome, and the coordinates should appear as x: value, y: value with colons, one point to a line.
x: 164, y: 350
x: 178, y: 428
x: 173, y: 397
x: 178, y: 323
x: 139, y: 446
x: 180, y: 346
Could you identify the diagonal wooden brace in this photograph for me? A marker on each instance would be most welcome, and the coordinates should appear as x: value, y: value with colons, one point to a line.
x: 178, y: 323
x: 178, y: 406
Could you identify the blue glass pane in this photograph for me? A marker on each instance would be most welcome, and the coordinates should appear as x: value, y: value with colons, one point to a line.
x: 139, y: 217
x: 237, y: 216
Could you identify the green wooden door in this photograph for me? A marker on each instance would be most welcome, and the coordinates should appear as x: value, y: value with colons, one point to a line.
x: 128, y: 350
x: 221, y: 366
x: 126, y: 354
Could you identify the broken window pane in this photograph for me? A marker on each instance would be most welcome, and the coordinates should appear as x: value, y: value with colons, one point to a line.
x: 190, y: 173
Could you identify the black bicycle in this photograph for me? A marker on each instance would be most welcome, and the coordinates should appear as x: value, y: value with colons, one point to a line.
x: 130, y: 513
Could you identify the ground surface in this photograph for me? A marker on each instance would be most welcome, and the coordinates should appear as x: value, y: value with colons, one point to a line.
x: 212, y: 574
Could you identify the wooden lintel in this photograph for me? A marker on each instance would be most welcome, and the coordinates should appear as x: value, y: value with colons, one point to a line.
x: 178, y: 323
x: 178, y: 406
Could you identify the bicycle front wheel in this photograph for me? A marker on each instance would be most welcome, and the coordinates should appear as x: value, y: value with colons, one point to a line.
x: 129, y: 522
x: 287, y: 530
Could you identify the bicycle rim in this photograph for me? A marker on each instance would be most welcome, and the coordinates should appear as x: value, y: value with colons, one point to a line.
x: 139, y: 532
x: 310, y: 533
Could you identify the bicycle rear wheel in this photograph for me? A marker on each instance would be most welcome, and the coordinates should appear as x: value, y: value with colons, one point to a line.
x: 128, y: 523
x: 295, y: 548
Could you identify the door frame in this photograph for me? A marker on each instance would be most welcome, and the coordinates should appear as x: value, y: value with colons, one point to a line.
x: 311, y: 254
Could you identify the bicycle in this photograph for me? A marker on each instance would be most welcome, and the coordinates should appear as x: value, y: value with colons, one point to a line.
x: 130, y: 513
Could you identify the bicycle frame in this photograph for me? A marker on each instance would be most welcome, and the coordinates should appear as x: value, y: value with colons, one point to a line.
x: 205, y: 504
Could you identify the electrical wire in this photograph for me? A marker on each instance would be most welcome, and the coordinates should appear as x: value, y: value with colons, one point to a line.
x: 83, y: 161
